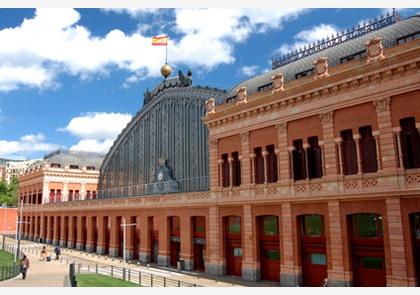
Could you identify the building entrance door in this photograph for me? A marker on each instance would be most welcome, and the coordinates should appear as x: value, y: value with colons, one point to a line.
x: 233, y: 257
x: 313, y: 250
x: 199, y: 257
x: 367, y: 250
x: 269, y: 245
x: 175, y: 252
x: 415, y: 228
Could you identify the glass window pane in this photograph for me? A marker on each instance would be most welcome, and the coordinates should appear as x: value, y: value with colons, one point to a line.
x: 270, y: 225
x: 237, y: 251
x: 234, y: 225
x: 272, y: 254
x: 318, y: 258
x: 371, y: 262
x: 367, y: 225
x: 313, y: 225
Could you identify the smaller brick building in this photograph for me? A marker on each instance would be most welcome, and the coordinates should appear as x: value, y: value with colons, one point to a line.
x: 8, y: 220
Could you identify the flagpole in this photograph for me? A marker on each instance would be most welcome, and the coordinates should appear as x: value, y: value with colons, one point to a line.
x: 166, y: 57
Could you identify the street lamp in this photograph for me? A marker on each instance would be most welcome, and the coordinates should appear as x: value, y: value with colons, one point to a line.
x: 125, y: 225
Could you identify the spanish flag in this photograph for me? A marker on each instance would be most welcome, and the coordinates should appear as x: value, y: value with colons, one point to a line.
x: 160, y: 40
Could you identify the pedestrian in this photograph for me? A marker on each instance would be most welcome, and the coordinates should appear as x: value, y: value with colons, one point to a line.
x: 44, y: 253
x: 24, y: 265
x: 326, y: 283
x: 57, y: 252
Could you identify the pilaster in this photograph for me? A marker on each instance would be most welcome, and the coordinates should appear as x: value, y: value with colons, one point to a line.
x: 386, y: 139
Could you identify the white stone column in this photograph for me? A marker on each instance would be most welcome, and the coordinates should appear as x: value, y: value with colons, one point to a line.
x: 45, y: 192
x: 397, y: 135
x: 82, y: 191
x: 65, y: 192
x: 305, y: 160
x: 265, y: 155
x: 252, y: 165
x: 220, y: 172
x: 356, y: 138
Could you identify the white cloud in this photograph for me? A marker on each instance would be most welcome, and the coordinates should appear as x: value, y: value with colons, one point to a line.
x: 96, y: 131
x: 34, y: 53
x: 26, y: 144
x: 97, y: 126
x: 92, y: 145
x: 249, y: 71
x: 306, y: 37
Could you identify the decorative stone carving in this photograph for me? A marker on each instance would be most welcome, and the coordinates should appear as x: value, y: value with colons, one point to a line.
x: 242, y: 96
x: 210, y: 106
x: 326, y: 117
x: 244, y: 136
x: 375, y: 50
x: 278, y: 82
x: 281, y: 128
x: 321, y: 68
x: 382, y: 104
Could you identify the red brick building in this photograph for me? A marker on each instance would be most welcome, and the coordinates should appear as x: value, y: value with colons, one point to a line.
x: 314, y: 172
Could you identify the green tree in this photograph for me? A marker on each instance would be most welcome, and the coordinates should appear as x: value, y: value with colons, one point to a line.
x: 9, y: 192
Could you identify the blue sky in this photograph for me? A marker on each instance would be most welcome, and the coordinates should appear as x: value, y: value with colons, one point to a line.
x: 74, y: 78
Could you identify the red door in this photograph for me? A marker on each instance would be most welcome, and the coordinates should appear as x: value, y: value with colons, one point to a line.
x: 369, y: 266
x: 233, y: 257
x: 367, y: 250
x: 270, y: 261
x: 199, y: 257
x: 175, y: 250
x: 314, y: 261
x: 415, y: 225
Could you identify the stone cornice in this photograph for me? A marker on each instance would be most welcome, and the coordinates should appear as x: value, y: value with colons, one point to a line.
x: 400, y: 60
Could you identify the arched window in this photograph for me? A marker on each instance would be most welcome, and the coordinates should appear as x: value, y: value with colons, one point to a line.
x: 368, y: 150
x: 225, y: 171
x: 367, y: 225
x: 349, y: 152
x: 236, y: 169
x: 299, y: 167
x: 259, y: 165
x: 410, y: 143
x: 314, y: 158
x: 272, y: 164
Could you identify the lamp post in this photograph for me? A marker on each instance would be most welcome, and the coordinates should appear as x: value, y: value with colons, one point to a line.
x: 18, y: 227
x: 125, y: 225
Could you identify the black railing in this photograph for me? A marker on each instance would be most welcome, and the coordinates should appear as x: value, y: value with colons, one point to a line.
x: 141, y: 278
x: 349, y: 34
x: 10, y: 271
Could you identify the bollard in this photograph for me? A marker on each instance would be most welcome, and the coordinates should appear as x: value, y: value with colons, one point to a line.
x: 164, y: 281
x: 96, y: 268
x: 179, y: 283
x: 151, y: 280
x: 129, y: 274
x: 140, y: 278
x: 112, y: 270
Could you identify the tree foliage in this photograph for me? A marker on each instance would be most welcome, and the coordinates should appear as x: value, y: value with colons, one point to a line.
x: 9, y: 192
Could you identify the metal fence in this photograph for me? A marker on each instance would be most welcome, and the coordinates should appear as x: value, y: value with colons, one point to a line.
x: 8, y: 272
x: 135, y: 276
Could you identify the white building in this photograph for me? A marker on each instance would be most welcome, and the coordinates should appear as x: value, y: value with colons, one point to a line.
x: 16, y: 168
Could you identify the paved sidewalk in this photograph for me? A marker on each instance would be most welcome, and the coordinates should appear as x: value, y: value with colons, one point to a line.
x: 69, y: 256
x: 40, y: 274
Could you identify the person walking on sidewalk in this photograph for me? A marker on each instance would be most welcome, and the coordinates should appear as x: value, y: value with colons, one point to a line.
x: 24, y: 265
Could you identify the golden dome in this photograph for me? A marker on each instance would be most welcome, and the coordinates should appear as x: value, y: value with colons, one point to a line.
x: 165, y: 70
